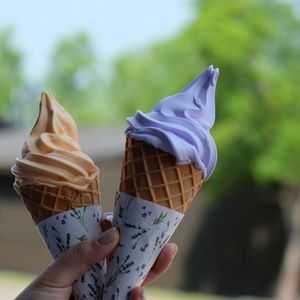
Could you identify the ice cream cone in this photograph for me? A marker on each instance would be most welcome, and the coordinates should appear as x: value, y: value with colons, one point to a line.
x: 43, y: 201
x: 169, y: 154
x: 59, y: 185
x: 152, y: 174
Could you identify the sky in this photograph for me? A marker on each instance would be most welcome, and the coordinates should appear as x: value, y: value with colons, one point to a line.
x: 115, y: 27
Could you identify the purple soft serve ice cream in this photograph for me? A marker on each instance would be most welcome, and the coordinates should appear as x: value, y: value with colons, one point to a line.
x: 180, y: 124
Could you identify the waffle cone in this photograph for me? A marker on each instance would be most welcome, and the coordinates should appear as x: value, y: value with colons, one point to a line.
x: 152, y: 174
x: 44, y: 201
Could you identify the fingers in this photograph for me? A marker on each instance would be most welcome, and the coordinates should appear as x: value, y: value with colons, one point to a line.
x: 137, y: 294
x: 162, y: 263
x: 77, y: 260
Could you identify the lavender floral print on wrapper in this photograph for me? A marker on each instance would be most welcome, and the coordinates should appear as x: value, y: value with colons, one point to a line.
x: 69, y: 228
x: 145, y: 227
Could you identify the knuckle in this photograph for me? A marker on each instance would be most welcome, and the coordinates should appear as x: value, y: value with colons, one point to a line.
x: 80, y: 250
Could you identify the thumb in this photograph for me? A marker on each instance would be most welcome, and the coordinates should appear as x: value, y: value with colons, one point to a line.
x: 78, y: 259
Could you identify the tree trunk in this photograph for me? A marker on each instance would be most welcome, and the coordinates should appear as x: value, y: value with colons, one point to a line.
x: 289, y: 277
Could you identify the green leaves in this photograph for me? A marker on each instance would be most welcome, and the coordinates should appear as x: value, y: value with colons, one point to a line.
x: 74, y: 78
x: 10, y: 73
x: 280, y: 161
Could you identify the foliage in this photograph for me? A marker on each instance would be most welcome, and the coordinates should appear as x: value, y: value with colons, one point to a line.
x: 74, y: 79
x: 10, y: 74
x: 256, y: 46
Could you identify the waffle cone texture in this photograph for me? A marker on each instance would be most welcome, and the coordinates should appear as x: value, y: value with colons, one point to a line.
x: 152, y: 174
x: 44, y: 201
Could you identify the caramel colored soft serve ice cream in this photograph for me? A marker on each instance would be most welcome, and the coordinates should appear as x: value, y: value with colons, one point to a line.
x: 52, y: 174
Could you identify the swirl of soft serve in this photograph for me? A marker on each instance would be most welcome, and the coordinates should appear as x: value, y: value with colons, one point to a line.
x: 180, y: 124
x: 51, y: 154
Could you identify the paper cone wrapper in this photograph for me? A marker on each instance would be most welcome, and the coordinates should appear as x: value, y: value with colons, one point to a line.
x: 145, y: 227
x: 69, y: 228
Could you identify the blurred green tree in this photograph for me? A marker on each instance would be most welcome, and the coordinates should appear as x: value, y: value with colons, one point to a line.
x: 74, y: 79
x: 11, y: 72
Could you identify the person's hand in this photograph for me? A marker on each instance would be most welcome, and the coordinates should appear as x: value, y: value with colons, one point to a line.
x: 55, y: 283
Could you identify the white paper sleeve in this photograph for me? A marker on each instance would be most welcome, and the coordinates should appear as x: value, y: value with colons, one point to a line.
x: 145, y: 227
x: 69, y: 228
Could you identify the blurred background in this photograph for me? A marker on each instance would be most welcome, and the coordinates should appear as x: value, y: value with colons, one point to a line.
x: 102, y: 61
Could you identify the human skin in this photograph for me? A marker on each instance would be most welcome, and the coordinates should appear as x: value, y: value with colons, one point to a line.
x: 55, y: 282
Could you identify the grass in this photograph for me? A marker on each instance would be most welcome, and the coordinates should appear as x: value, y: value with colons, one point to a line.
x: 12, y: 283
x: 160, y: 294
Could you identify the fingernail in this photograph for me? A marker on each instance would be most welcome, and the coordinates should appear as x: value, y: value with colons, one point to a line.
x: 108, y: 236
x: 175, y: 248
